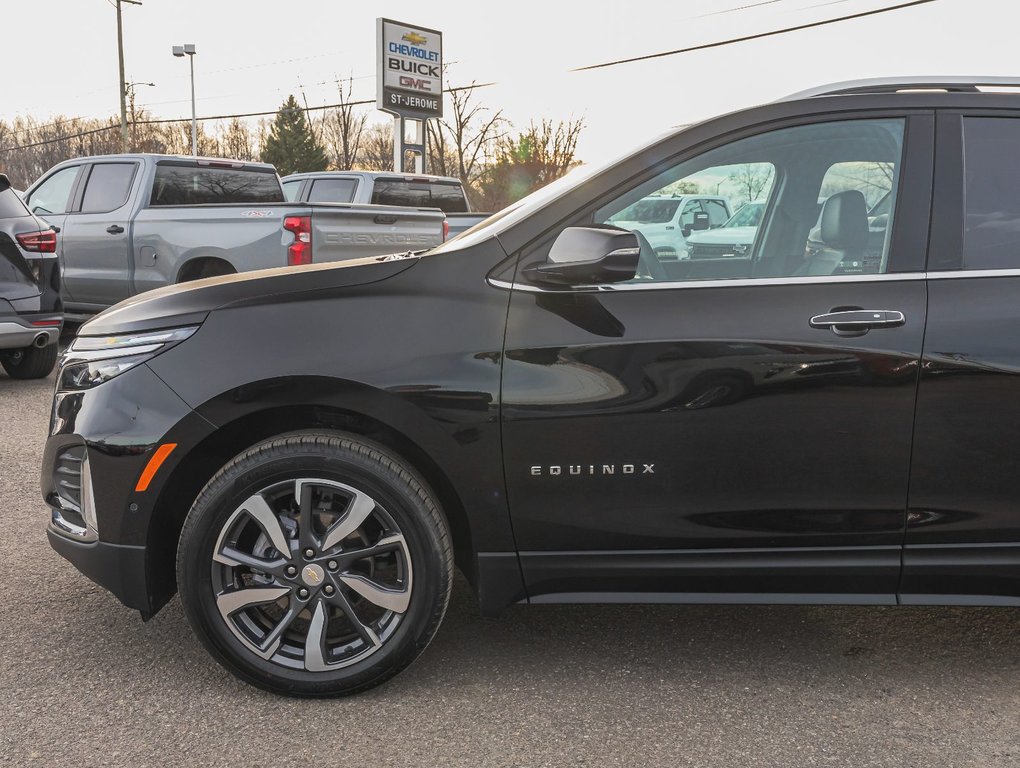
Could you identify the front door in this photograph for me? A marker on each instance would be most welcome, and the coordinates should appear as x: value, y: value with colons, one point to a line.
x: 50, y: 201
x: 98, y: 269
x: 730, y: 426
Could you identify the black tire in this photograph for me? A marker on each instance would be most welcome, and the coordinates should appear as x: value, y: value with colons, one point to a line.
x: 30, y: 363
x: 349, y: 461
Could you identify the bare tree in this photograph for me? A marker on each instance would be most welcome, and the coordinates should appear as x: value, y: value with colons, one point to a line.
x: 377, y: 148
x: 238, y: 142
x: 751, y: 179
x: 530, y: 160
x: 343, y: 128
x: 463, y: 141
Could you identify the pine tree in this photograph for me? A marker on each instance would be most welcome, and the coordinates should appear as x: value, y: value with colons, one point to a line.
x: 291, y: 146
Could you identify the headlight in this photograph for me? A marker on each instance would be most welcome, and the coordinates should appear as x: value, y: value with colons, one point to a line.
x: 91, y: 360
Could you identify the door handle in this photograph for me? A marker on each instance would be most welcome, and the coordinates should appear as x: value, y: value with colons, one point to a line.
x: 385, y: 219
x: 115, y: 229
x: 855, y: 322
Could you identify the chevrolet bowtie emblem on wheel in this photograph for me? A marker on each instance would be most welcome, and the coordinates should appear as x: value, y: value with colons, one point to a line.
x: 553, y: 470
x: 312, y: 575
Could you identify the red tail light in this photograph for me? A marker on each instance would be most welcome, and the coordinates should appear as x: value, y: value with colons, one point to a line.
x: 446, y: 229
x: 300, y: 251
x: 39, y: 242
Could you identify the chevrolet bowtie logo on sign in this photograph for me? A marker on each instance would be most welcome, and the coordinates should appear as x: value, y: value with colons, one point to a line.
x: 410, y: 70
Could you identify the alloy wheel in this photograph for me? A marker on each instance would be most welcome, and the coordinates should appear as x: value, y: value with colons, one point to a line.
x: 311, y: 574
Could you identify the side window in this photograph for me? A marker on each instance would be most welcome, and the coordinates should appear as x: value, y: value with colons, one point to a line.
x: 717, y: 213
x: 804, y: 197
x: 290, y: 190
x: 108, y: 186
x: 991, y: 232
x: 52, y: 195
x: 874, y: 181
x: 333, y: 190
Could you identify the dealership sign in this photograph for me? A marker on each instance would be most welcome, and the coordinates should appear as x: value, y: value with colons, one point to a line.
x: 410, y: 75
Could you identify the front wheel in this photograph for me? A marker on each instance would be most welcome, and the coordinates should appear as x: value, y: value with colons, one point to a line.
x: 315, y: 565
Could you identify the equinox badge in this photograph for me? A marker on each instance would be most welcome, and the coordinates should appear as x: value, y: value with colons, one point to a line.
x: 553, y: 470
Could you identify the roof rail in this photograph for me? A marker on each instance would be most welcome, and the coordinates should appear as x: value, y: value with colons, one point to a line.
x: 952, y: 83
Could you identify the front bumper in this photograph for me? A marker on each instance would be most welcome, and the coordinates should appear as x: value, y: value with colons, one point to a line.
x: 100, y: 441
x: 119, y: 568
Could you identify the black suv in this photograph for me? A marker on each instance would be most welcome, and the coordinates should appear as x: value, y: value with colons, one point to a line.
x: 306, y: 454
x: 30, y: 309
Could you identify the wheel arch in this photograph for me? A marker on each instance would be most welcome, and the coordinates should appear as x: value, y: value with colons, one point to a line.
x: 182, y: 486
x: 196, y: 263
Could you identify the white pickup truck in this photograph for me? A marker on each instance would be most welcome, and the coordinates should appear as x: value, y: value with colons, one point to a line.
x: 130, y: 223
x: 667, y: 221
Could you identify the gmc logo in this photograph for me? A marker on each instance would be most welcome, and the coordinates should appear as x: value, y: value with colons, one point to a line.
x: 415, y: 82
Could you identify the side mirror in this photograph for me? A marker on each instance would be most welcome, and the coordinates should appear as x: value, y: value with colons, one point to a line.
x: 701, y: 222
x: 588, y: 256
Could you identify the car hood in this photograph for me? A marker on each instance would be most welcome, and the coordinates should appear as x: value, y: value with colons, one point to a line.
x: 723, y: 236
x: 189, y: 303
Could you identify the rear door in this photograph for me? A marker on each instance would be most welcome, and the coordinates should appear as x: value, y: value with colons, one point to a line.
x: 720, y: 432
x: 97, y: 235
x: 963, y: 532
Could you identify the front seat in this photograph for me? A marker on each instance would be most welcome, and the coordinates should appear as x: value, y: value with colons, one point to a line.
x: 844, y: 231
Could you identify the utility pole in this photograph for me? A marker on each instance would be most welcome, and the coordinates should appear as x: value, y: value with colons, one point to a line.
x: 121, y: 82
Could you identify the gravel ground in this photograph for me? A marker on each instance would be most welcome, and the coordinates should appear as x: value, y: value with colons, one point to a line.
x: 85, y: 683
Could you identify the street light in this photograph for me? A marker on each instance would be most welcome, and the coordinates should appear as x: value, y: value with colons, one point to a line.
x: 181, y: 51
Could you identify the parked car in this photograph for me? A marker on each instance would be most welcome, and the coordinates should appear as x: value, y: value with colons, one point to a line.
x: 131, y: 223
x: 668, y: 220
x: 30, y: 311
x: 385, y: 188
x: 732, y: 239
x: 307, y: 454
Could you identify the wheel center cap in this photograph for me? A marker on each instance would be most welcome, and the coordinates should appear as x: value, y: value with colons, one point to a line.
x: 313, y: 575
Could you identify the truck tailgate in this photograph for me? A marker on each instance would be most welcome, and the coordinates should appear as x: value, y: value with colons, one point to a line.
x: 341, y: 232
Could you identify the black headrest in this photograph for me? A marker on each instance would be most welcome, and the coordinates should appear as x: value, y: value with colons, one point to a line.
x: 845, y: 220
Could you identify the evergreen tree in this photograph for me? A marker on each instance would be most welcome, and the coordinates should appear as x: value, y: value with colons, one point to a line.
x: 291, y: 145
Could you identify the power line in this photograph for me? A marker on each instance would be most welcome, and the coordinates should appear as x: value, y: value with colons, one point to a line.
x: 62, y: 138
x: 738, y: 8
x: 756, y: 36
x: 223, y: 117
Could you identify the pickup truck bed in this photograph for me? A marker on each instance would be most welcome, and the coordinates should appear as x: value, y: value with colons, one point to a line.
x: 390, y: 189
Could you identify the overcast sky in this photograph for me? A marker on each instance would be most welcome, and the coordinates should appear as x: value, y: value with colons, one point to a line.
x: 252, y: 53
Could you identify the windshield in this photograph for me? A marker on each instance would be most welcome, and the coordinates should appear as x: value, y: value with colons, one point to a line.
x: 649, y: 211
x: 749, y: 215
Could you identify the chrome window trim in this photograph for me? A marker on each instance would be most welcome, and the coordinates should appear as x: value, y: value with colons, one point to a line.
x: 669, y: 285
x: 957, y: 273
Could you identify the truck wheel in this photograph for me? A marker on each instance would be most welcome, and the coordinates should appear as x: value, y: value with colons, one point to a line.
x: 315, y: 564
x: 31, y: 362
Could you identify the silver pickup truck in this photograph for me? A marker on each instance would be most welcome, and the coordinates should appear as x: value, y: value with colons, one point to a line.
x: 386, y: 188
x: 130, y: 223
